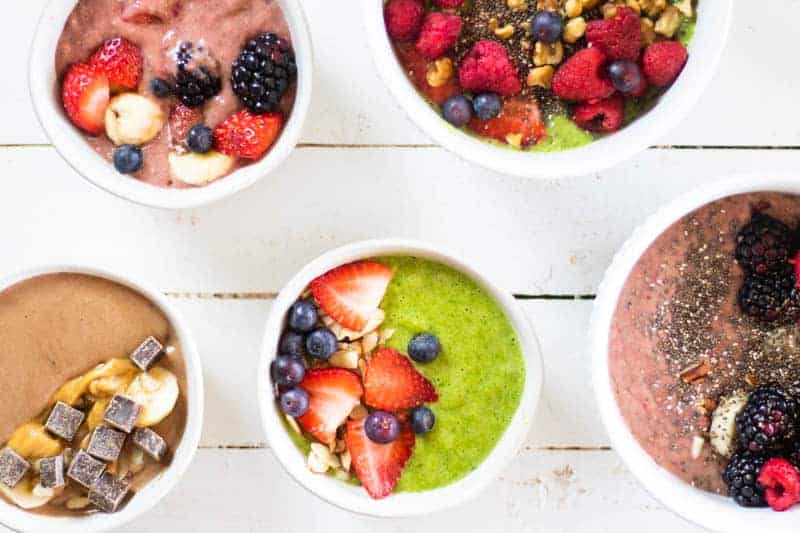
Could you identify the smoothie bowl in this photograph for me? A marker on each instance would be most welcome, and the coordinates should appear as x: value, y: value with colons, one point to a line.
x: 696, y: 365
x: 374, y: 388
x: 172, y: 103
x: 103, y: 399
x: 546, y: 88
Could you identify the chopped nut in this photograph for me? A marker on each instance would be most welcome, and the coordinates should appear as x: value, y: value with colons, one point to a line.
x: 517, y: 5
x: 648, y: 31
x: 514, y: 139
x: 541, y: 76
x: 440, y: 72
x: 609, y: 10
x: 79, y: 502
x: 547, y: 5
x: 696, y: 373
x: 653, y: 8
x: 369, y: 342
x: 293, y: 424
x: 574, y: 30
x: 506, y: 32
x: 697, y: 446
x: 548, y: 54
x: 493, y: 24
x: 573, y: 8
x: 685, y: 7
x: 709, y: 405
x: 634, y: 5
x: 359, y: 412
x: 669, y: 22
x: 345, y: 359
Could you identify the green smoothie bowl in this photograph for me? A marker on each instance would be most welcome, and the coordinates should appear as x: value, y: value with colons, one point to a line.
x: 395, y: 380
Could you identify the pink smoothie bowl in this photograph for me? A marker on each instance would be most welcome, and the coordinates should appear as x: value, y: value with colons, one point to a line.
x: 72, y: 146
x: 714, y: 512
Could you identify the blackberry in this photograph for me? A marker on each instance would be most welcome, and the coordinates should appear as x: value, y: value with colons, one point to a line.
x: 771, y: 298
x: 263, y: 72
x: 764, y: 245
x: 768, y: 421
x: 792, y: 452
x: 197, y: 79
x: 741, y: 477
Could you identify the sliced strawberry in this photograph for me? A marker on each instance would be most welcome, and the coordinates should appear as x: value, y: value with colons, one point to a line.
x: 378, y: 466
x: 85, y: 94
x: 351, y: 293
x: 392, y: 383
x: 519, y: 116
x: 121, y: 61
x: 181, y: 120
x: 247, y: 135
x: 332, y: 393
x: 417, y: 68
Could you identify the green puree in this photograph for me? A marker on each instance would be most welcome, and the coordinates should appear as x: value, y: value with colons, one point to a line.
x: 479, y: 375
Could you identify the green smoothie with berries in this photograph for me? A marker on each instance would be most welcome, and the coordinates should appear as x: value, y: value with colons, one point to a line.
x: 382, y: 374
x: 541, y: 75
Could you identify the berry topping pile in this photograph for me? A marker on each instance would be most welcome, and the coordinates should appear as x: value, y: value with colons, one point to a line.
x: 585, y: 59
x: 359, y: 403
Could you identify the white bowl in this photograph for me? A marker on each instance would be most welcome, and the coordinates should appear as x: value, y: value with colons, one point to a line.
x: 706, y: 48
x: 144, y: 499
x: 402, y: 504
x: 711, y: 511
x: 72, y: 146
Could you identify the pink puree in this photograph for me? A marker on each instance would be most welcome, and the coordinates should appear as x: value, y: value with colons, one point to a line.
x: 224, y: 26
x: 660, y: 411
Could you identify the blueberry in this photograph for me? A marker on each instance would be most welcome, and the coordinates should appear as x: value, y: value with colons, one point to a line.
x: 292, y: 343
x: 287, y: 370
x: 457, y: 111
x: 382, y: 427
x: 128, y: 158
x: 160, y: 87
x: 547, y: 26
x: 200, y: 139
x: 424, y: 347
x: 321, y: 343
x: 302, y: 316
x: 625, y: 75
x: 422, y: 420
x: 487, y: 105
x: 294, y: 402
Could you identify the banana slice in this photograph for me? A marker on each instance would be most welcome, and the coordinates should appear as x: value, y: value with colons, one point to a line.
x: 156, y: 391
x: 199, y: 169
x: 28, y: 495
x: 133, y: 119
x: 32, y: 441
x: 723, y: 423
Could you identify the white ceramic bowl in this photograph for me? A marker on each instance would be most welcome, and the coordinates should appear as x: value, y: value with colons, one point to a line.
x: 704, y: 54
x: 72, y: 146
x: 714, y: 512
x: 402, y: 504
x: 20, y: 520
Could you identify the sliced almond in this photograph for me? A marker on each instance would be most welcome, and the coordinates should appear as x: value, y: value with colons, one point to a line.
x: 325, y: 455
x: 293, y: 424
x: 315, y: 464
x: 369, y: 342
x: 346, y: 460
x: 385, y: 335
x: 345, y: 359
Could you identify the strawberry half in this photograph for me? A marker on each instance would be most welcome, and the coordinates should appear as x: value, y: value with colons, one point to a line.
x: 85, y: 94
x: 351, y: 293
x: 519, y: 116
x: 247, y: 135
x: 332, y: 394
x: 378, y: 466
x: 392, y: 383
x: 121, y: 61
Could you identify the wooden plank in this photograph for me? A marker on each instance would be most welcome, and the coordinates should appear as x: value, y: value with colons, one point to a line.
x: 754, y: 86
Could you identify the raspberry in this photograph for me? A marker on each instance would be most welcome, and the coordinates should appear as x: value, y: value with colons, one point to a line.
x: 439, y: 33
x: 449, y: 4
x: 764, y: 244
x: 619, y: 37
x: 404, y: 18
x: 487, y: 68
x: 781, y: 482
x: 663, y: 61
x: 602, y: 115
x: 582, y: 77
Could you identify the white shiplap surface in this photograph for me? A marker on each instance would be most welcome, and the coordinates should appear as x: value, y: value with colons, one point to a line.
x: 365, y: 171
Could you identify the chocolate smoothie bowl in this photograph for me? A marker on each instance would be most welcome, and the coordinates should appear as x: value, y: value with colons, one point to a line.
x: 172, y: 103
x: 102, y: 397
x: 697, y: 364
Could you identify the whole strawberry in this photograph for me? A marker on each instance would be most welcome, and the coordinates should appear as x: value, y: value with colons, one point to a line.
x: 247, y: 135
x: 121, y: 61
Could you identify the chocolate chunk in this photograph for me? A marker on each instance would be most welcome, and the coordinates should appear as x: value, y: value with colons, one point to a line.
x: 108, y: 492
x: 122, y: 413
x: 85, y: 469
x: 146, y: 354
x: 150, y: 442
x: 13, y: 467
x: 64, y: 421
x: 51, y: 472
x: 106, y: 443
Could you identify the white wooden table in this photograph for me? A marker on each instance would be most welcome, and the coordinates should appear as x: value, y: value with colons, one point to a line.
x: 363, y: 171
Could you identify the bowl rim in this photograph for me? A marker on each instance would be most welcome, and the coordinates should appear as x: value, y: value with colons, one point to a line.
x: 714, y: 512
x: 706, y: 49
x: 354, y: 498
x: 74, y: 149
x: 154, y: 491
